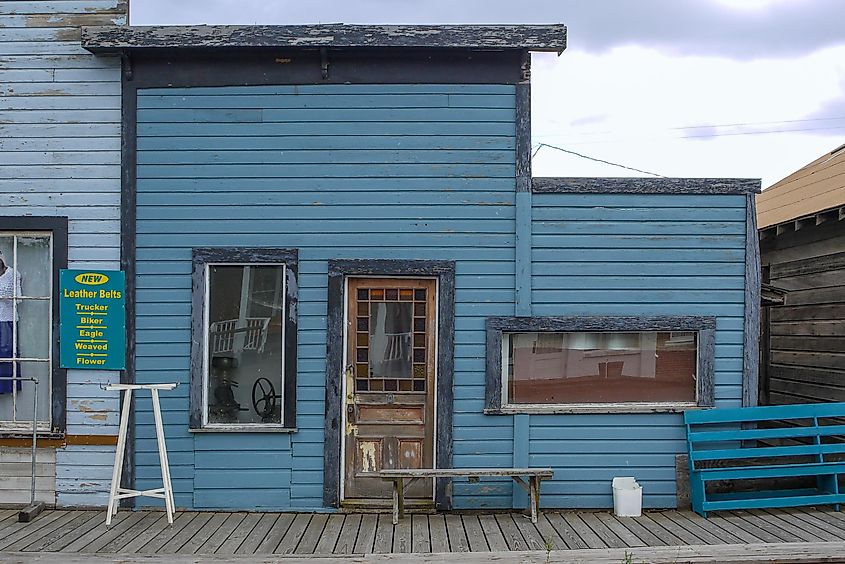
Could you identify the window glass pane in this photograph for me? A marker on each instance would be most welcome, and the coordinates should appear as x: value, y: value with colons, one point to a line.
x: 34, y: 265
x: 10, y: 285
x: 564, y: 368
x: 7, y: 248
x: 38, y: 370
x: 245, y: 315
x: 7, y: 343
x: 390, y: 339
x: 34, y: 328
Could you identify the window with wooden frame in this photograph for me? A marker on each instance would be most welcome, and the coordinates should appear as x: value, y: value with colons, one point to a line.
x: 599, y: 364
x: 32, y: 251
x: 243, y: 358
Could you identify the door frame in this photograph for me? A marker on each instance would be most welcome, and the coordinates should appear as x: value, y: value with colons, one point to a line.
x: 429, y: 420
x: 341, y: 269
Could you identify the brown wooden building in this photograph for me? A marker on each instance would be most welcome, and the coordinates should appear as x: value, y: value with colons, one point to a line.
x: 801, y: 221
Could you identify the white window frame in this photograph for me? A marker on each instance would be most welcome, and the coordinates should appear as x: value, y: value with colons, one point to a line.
x: 206, y: 341
x: 14, y: 425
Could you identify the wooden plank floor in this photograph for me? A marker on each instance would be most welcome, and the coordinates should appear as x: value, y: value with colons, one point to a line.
x: 239, y: 533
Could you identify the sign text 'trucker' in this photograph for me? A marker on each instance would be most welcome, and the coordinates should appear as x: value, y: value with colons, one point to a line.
x: 93, y: 319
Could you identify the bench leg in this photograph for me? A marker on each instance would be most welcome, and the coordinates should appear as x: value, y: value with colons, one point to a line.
x: 398, y: 500
x: 697, y: 494
x: 534, y: 494
x: 401, y: 498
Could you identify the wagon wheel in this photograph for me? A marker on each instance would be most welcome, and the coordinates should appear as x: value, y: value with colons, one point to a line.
x: 264, y: 399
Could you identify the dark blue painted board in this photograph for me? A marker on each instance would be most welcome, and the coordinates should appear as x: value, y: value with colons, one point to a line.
x: 331, y: 116
x: 383, y: 170
x: 241, y: 498
x: 324, y: 101
x: 323, y: 156
x: 367, y: 202
x: 327, y: 143
x: 319, y: 90
x: 245, y: 478
x: 457, y: 128
x: 387, y: 188
x: 708, y: 206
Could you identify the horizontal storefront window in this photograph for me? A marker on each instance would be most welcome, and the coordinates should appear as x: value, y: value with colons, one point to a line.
x: 560, y: 368
x: 599, y: 364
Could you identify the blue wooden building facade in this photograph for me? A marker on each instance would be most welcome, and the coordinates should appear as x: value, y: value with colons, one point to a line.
x: 334, y: 244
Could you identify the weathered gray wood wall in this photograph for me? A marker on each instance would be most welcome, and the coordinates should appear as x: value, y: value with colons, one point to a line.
x: 804, y: 360
x: 60, y: 155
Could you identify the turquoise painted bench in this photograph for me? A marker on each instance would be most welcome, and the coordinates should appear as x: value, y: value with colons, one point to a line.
x: 787, y: 441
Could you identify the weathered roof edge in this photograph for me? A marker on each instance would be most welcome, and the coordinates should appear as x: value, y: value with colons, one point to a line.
x: 579, y: 185
x: 103, y: 39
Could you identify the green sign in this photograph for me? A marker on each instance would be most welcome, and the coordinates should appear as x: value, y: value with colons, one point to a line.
x: 92, y: 317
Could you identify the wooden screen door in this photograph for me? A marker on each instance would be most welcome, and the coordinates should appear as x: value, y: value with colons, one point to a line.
x: 390, y: 385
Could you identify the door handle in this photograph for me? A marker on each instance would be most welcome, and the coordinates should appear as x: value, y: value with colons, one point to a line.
x: 350, y: 413
x: 350, y: 381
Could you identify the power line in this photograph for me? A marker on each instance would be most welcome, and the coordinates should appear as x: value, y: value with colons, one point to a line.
x: 738, y: 124
x: 571, y: 139
x: 760, y: 132
x: 541, y: 145
x: 758, y: 123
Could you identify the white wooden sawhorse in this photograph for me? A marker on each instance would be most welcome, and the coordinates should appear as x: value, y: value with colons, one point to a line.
x: 116, y: 493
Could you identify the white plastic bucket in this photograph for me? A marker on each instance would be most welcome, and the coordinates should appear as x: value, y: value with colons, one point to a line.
x: 627, y: 497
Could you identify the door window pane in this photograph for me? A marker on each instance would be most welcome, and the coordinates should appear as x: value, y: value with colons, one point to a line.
x: 566, y: 368
x: 390, y: 339
x: 245, y: 335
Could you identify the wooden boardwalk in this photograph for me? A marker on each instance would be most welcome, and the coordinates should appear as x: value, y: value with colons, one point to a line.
x: 206, y: 533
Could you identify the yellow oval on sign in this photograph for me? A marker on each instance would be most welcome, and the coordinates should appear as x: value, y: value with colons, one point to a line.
x: 91, y: 278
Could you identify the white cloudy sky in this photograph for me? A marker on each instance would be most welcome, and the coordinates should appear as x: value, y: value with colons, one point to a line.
x: 745, y: 88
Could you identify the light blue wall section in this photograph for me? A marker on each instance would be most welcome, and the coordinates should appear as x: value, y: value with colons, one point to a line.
x: 60, y: 155
x: 338, y: 171
x: 634, y: 255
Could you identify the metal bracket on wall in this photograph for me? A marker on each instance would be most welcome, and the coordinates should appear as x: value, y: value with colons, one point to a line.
x: 324, y: 62
x: 126, y: 64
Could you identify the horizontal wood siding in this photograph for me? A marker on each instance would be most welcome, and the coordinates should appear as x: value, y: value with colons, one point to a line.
x: 337, y: 171
x: 806, y: 361
x: 622, y: 255
x: 16, y: 476
x: 60, y: 155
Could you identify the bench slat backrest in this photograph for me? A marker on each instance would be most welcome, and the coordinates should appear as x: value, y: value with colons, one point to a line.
x: 765, y: 413
x: 759, y: 434
x: 795, y: 431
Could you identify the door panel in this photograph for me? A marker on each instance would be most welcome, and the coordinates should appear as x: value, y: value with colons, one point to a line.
x: 389, y: 385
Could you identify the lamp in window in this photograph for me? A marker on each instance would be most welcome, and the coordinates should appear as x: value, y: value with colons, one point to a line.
x: 623, y: 341
x: 584, y: 341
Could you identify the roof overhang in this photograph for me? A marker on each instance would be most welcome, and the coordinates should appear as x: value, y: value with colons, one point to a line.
x: 113, y: 39
x: 640, y: 185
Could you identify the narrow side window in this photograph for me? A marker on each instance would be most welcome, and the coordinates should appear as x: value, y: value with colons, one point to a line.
x: 244, y: 357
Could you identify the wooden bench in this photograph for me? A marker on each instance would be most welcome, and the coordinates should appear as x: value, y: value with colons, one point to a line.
x: 399, y: 477
x: 766, y: 443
